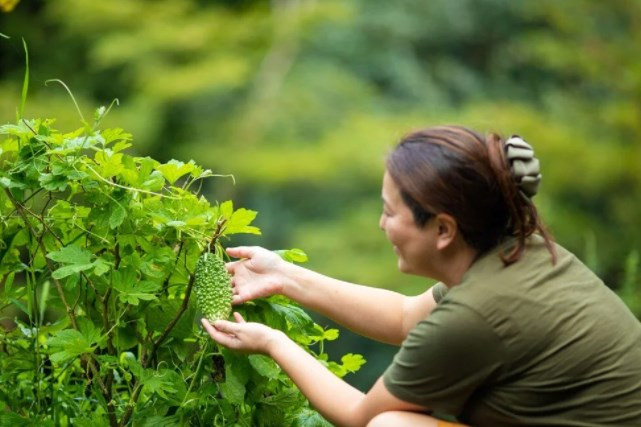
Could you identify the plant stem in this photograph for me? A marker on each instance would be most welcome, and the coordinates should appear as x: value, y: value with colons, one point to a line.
x: 134, y: 397
x: 21, y: 211
x: 200, y: 361
x: 70, y: 311
x: 171, y: 324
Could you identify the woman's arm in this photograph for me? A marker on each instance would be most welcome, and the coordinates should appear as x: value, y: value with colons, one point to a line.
x: 337, y: 401
x: 380, y: 314
x: 376, y: 313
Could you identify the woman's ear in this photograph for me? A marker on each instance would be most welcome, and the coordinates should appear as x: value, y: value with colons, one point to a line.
x: 447, y: 231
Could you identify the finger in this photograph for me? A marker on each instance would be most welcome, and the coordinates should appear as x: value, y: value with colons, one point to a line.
x: 241, y: 251
x: 220, y: 337
x: 237, y: 299
x: 226, y: 326
x: 238, y: 317
x: 231, y: 266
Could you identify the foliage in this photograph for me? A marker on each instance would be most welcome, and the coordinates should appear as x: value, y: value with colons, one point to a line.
x: 309, y: 95
x: 97, y: 254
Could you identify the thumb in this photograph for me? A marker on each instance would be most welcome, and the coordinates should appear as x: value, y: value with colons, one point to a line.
x: 239, y: 317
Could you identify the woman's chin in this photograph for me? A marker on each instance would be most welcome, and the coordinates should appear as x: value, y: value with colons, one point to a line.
x: 403, y: 267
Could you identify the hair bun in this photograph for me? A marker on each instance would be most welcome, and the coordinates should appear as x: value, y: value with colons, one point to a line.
x: 524, y: 165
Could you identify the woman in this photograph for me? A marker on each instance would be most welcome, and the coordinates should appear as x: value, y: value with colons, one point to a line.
x: 517, y: 331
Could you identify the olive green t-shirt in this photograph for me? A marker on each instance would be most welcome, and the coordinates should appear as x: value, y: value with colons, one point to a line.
x: 528, y: 344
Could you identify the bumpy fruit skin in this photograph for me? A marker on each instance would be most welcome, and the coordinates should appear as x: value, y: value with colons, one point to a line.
x: 212, y: 285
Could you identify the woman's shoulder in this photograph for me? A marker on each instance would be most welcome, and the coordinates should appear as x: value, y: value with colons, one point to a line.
x: 537, y: 264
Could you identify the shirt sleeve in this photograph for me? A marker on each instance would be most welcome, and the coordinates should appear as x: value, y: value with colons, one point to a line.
x: 446, y: 358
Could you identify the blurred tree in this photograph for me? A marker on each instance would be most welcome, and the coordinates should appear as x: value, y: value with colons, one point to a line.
x: 309, y: 95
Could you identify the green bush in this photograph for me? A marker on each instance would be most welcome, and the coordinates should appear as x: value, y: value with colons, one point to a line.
x: 99, y: 327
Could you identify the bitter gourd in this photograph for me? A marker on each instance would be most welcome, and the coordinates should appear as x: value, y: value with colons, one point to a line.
x: 212, y: 285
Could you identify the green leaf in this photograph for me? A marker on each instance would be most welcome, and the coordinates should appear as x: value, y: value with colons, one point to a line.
x: 67, y: 344
x: 174, y: 169
x: 330, y: 334
x: 284, y: 399
x: 264, y: 365
x: 352, y: 362
x: 293, y: 255
x: 130, y: 289
x: 118, y: 215
x: 295, y: 316
x: 76, y: 259
x: 162, y: 421
x: 115, y: 134
x: 89, y: 330
x: 309, y: 418
x: 68, y: 270
x: 51, y: 182
x: 226, y: 209
x: 11, y: 419
x: 90, y: 420
x: 233, y: 388
x: 239, y: 222
x: 158, y: 382
x: 110, y: 164
x: 101, y: 266
x: 71, y: 255
x: 8, y: 183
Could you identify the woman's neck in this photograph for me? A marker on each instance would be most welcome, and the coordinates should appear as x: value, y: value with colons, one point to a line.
x: 456, y: 261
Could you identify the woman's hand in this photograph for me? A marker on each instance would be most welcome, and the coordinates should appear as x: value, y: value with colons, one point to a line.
x: 242, y: 336
x: 260, y: 274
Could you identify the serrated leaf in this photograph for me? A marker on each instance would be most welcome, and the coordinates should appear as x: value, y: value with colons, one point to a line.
x: 264, y: 365
x: 110, y: 164
x: 233, y: 389
x: 352, y: 362
x: 158, y: 382
x: 101, y: 267
x: 284, y: 399
x: 239, y: 222
x: 330, y: 334
x: 70, y: 255
x: 154, y: 182
x: 174, y: 169
x: 293, y: 255
x: 226, y: 209
x: 162, y: 421
x: 118, y: 215
x: 51, y: 182
x: 295, y: 316
x: 76, y: 259
x: 69, y: 343
x: 176, y: 224
x: 68, y: 270
x: 133, y: 292
x: 8, y: 183
x: 309, y: 418
x: 115, y: 134
x: 89, y: 330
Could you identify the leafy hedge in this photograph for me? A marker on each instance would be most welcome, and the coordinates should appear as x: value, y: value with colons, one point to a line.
x: 97, y: 253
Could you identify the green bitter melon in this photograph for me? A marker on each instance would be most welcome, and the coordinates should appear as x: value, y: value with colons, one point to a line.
x: 212, y: 285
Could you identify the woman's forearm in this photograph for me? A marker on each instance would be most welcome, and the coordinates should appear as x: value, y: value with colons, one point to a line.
x: 336, y: 400
x: 372, y: 312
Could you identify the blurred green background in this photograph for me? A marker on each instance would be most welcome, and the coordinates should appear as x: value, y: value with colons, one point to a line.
x: 301, y: 100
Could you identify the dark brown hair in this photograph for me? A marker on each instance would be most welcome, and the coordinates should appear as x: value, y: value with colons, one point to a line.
x: 454, y: 170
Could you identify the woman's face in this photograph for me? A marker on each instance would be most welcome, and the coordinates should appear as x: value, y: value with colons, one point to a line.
x: 414, y: 246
